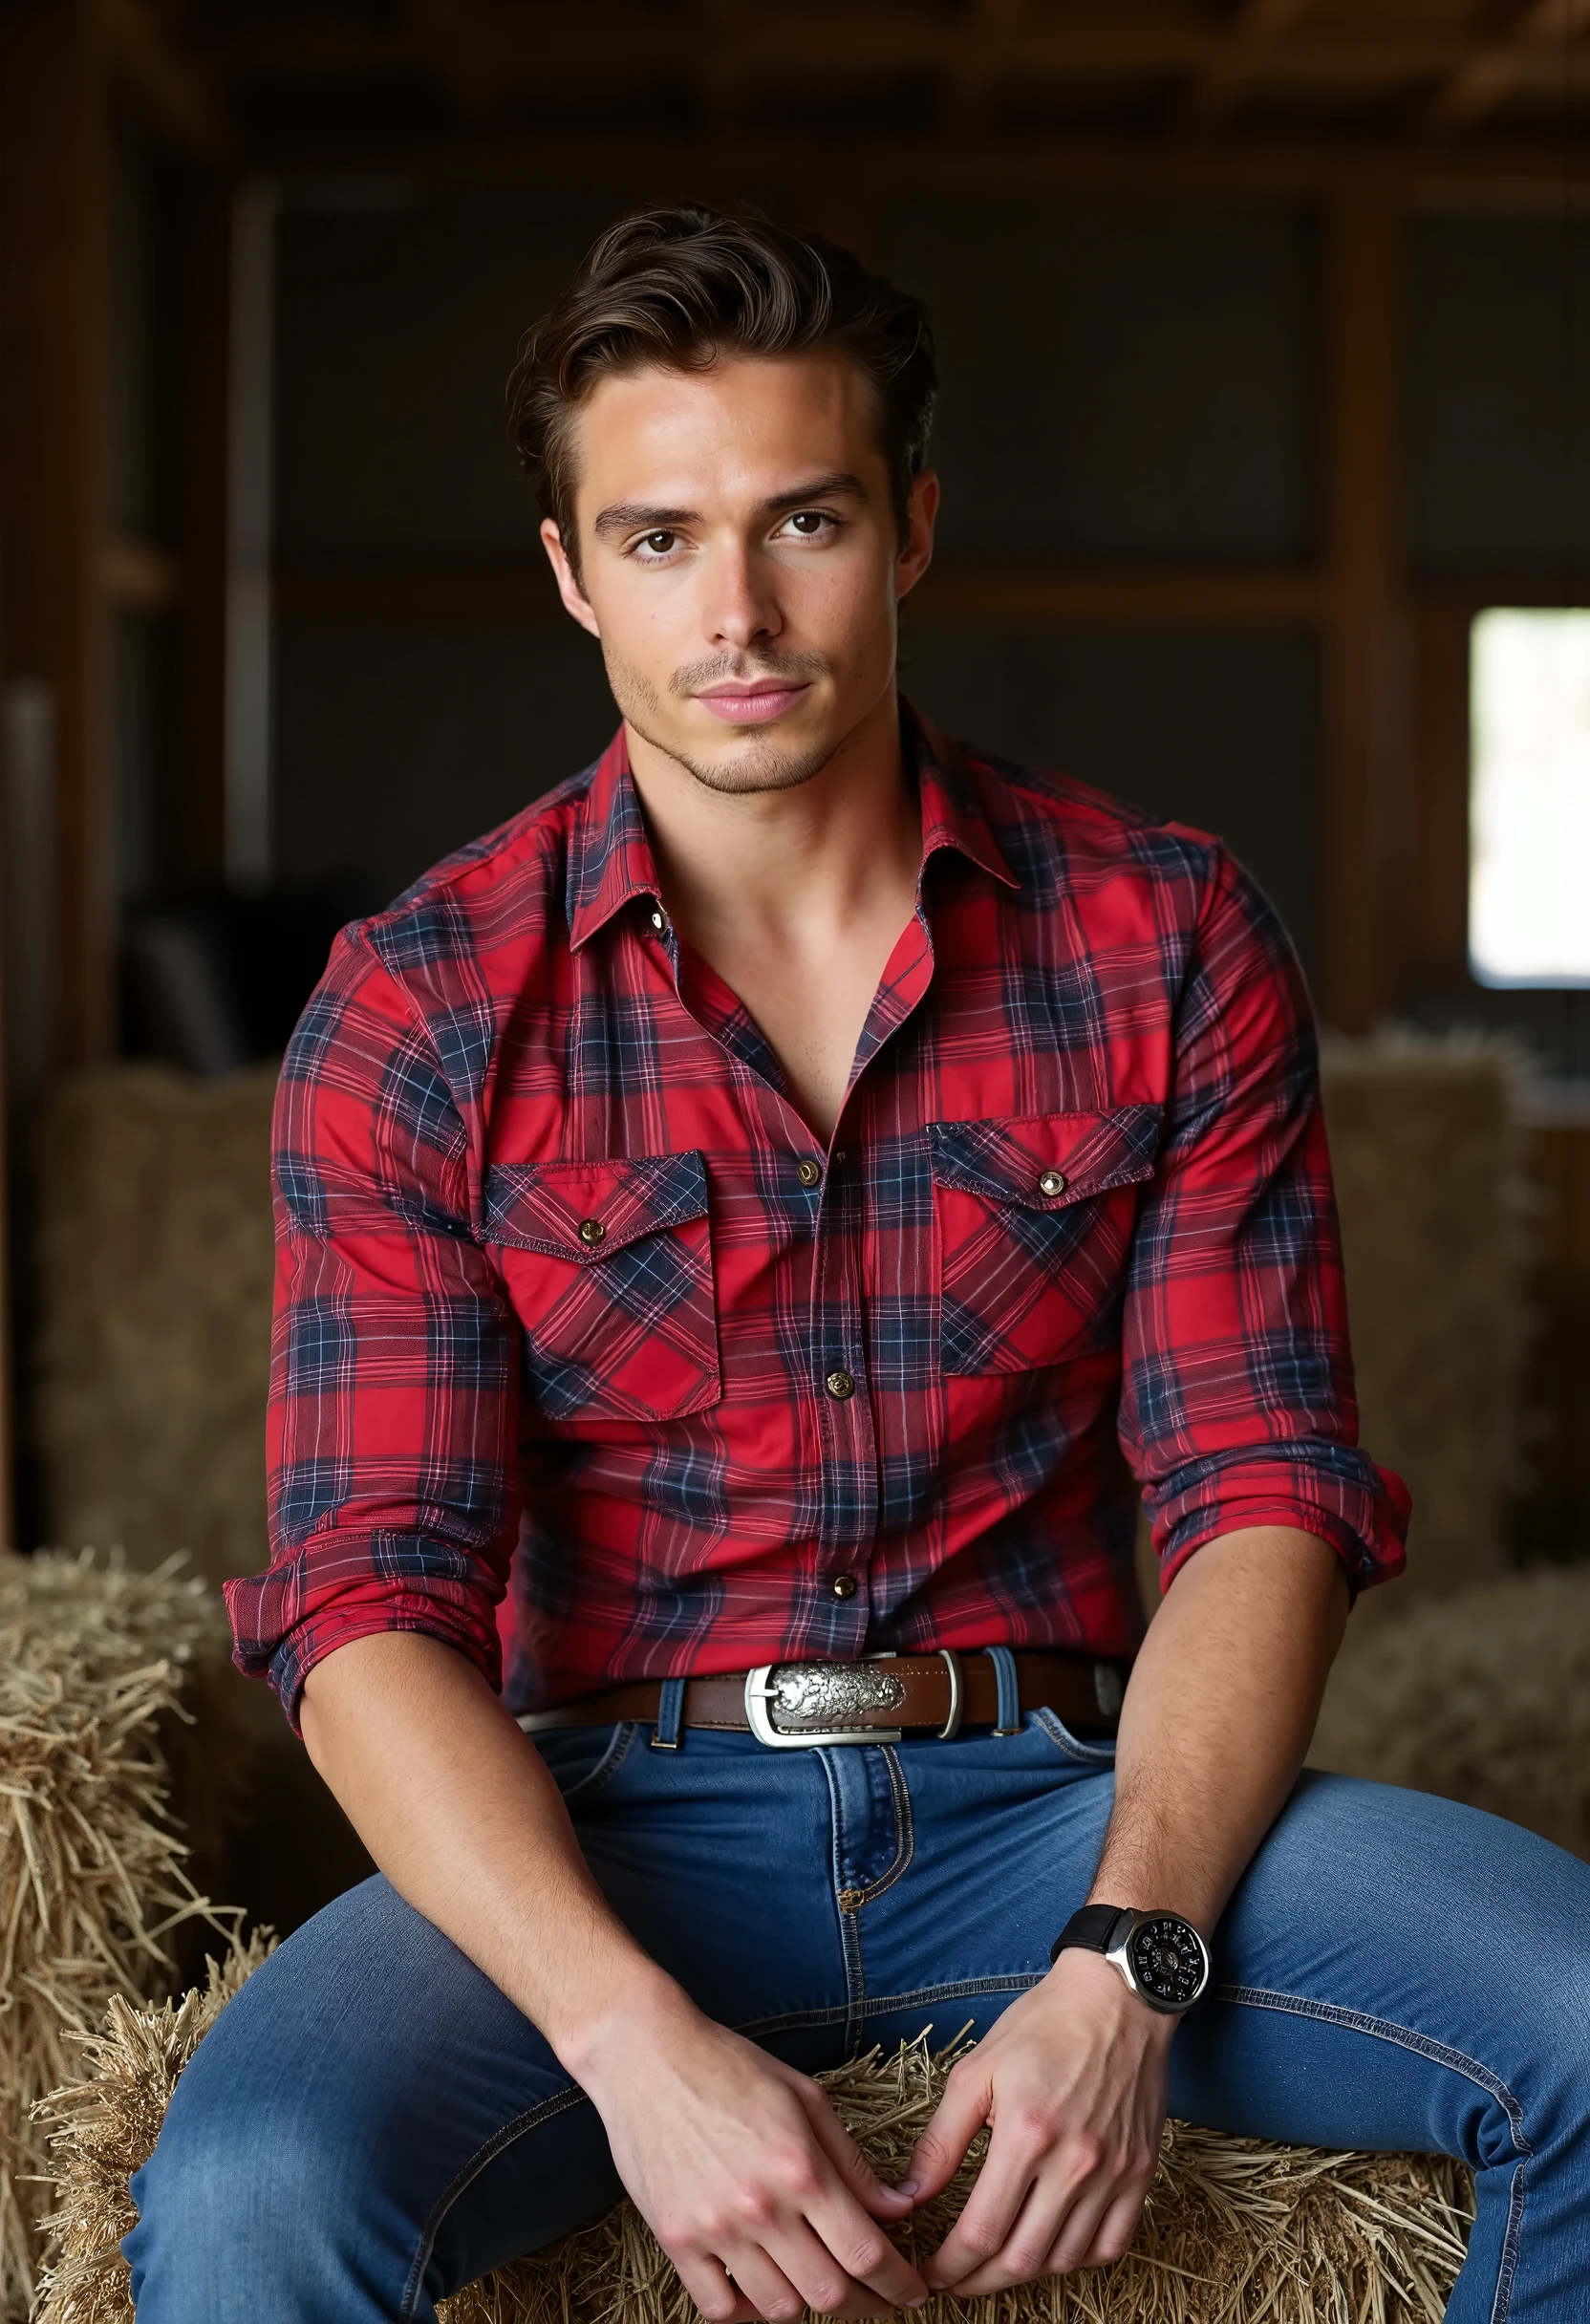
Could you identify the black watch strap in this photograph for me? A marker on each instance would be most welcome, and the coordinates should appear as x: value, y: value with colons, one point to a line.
x: 1093, y: 1928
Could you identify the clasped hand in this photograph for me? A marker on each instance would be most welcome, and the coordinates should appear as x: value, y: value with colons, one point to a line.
x: 765, y: 2204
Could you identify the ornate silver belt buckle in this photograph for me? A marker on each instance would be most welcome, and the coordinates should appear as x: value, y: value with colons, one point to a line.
x: 829, y: 1690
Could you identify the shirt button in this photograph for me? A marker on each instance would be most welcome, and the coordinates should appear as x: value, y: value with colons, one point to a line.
x: 839, y: 1155
x: 810, y: 1174
x: 592, y: 1230
x: 839, y: 1386
x: 659, y: 920
x: 1052, y: 1182
x: 844, y: 1586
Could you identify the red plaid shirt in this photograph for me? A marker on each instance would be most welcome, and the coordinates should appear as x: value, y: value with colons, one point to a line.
x: 590, y: 1361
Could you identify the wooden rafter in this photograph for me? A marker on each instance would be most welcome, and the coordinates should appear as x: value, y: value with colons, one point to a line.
x: 1541, y: 49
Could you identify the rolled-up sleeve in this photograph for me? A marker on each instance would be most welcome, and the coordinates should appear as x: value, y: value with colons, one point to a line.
x: 1237, y: 1405
x: 392, y: 1482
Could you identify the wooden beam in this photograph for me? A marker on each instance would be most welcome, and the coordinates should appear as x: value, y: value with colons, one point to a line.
x: 1540, y: 49
x: 442, y: 592
x: 1367, y: 836
x: 807, y: 45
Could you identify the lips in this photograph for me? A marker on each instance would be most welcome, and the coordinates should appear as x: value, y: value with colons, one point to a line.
x: 753, y: 704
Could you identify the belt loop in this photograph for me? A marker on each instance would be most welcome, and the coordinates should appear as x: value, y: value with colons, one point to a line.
x: 669, y: 1715
x: 1008, y: 1714
x: 951, y: 1727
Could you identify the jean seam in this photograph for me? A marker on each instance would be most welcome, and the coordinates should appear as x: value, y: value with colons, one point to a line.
x: 1089, y: 1754
x: 521, y: 2125
x: 1440, y: 2053
x: 620, y: 1743
x: 905, y: 1829
x: 882, y: 2005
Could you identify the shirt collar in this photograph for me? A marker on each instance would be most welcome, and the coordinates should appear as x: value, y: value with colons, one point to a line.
x: 611, y: 862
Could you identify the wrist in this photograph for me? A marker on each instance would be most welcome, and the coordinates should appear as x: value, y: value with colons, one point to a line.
x: 1087, y: 1980
x: 639, y: 2007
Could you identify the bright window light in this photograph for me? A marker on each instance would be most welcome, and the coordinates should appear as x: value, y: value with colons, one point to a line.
x: 1529, y: 798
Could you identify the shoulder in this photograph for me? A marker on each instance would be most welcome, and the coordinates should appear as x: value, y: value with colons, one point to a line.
x: 1059, y: 835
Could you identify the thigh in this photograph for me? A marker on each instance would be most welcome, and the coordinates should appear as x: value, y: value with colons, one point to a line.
x: 330, y: 2124
x: 1450, y: 1948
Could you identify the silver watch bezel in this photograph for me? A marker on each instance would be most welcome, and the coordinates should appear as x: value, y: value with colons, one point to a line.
x: 1119, y: 1953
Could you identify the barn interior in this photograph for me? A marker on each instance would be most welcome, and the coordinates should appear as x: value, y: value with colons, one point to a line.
x: 1264, y: 330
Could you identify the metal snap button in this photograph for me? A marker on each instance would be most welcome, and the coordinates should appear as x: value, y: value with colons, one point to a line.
x: 839, y: 1386
x: 809, y: 1172
x: 592, y: 1230
x: 844, y: 1586
x: 1052, y: 1182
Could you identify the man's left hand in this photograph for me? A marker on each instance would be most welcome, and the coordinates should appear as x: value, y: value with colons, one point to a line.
x: 1072, y: 2083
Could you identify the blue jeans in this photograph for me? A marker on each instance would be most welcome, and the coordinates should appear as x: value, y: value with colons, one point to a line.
x: 371, y: 2125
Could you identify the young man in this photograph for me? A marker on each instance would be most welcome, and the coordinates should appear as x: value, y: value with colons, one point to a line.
x: 732, y: 1219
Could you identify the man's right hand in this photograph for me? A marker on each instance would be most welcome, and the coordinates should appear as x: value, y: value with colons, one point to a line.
x: 750, y: 2183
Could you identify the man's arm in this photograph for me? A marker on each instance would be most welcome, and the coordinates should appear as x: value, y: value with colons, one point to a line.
x: 737, y: 2162
x: 1217, y: 1716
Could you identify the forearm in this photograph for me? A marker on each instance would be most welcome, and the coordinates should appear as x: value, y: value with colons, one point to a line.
x: 458, y: 1809
x: 1217, y: 1717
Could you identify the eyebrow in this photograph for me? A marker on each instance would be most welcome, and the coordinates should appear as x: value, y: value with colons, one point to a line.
x: 643, y: 516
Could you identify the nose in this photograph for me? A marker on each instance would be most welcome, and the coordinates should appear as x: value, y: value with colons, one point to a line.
x: 741, y: 604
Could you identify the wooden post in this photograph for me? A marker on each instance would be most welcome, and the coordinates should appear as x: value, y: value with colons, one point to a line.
x: 1369, y: 783
x: 53, y: 629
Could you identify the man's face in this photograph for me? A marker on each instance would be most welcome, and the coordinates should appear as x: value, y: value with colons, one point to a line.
x: 740, y: 562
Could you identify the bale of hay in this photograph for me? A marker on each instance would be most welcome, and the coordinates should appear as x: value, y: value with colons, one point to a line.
x: 1483, y: 1697
x: 100, y: 2128
x: 153, y: 1266
x: 1430, y: 1158
x: 1233, y: 2228
x: 95, y: 1659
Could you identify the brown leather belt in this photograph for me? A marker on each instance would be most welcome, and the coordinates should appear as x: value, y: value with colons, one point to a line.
x: 789, y: 1705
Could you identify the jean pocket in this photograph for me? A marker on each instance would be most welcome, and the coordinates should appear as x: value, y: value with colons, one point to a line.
x: 1033, y: 1220
x: 609, y: 1267
x: 1095, y: 1752
x: 583, y: 1760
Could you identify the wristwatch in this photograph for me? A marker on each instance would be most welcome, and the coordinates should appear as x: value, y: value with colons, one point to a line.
x: 1161, y: 1956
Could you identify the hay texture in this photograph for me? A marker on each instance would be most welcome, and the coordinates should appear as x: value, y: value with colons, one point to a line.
x: 1483, y: 1697
x: 153, y: 1263
x: 94, y: 1660
x: 1436, y: 1208
x: 1234, y: 2232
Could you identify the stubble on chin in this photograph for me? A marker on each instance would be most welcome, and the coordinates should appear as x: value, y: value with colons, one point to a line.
x: 753, y: 762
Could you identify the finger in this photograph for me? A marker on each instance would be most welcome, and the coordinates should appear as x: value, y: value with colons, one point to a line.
x: 1118, y: 2225
x: 857, y: 2173
x: 827, y: 2286
x: 1047, y: 2237
x: 855, y: 2242
x: 1015, y: 2153
x: 764, y: 2286
x: 941, y: 2149
x: 714, y: 2290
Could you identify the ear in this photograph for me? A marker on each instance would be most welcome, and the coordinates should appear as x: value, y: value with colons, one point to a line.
x: 917, y: 551
x: 575, y: 599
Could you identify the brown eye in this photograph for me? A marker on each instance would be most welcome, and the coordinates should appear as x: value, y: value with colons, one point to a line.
x: 808, y: 521
x: 660, y: 543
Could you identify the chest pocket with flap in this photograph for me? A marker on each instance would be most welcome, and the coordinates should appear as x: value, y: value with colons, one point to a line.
x: 1033, y: 1219
x: 609, y: 1266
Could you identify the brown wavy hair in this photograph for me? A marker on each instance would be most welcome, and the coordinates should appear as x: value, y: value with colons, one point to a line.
x: 680, y: 288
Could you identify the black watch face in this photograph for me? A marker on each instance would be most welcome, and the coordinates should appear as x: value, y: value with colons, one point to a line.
x: 1166, y: 1960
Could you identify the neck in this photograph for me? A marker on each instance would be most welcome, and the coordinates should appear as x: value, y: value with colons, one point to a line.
x: 811, y: 856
